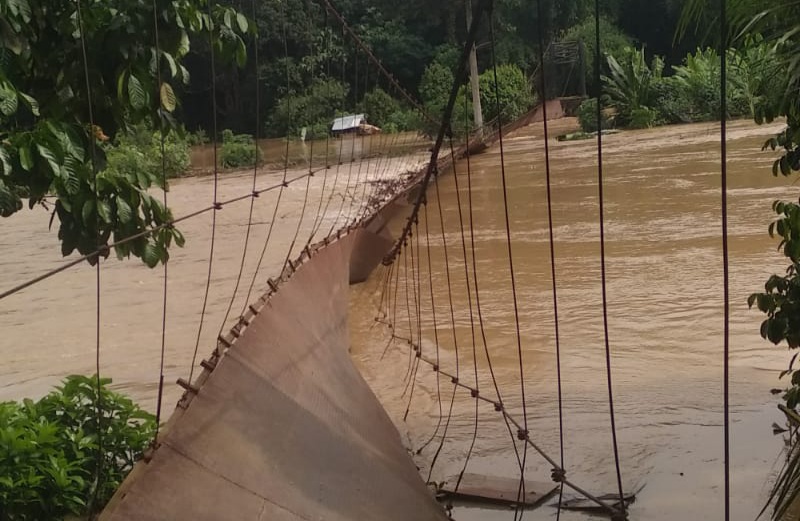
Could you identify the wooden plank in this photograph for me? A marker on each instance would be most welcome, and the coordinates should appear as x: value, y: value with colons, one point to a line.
x: 611, y: 500
x: 496, y: 489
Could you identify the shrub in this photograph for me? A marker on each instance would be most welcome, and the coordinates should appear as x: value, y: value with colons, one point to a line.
x: 631, y: 87
x: 643, y: 117
x: 671, y: 102
x: 587, y: 116
x: 138, y: 152
x: 378, y: 107
x: 238, y: 150
x: 198, y: 137
x: 318, y: 131
x: 511, y: 92
x: 699, y: 78
x: 403, y: 121
x: 49, y: 450
x: 756, y: 73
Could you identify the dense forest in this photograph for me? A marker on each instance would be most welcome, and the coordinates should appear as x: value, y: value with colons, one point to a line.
x: 297, y: 35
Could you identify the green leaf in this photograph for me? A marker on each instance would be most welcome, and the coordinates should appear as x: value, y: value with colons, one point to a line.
x: 51, y: 158
x: 784, y: 166
x: 136, y: 94
x: 180, y: 240
x: 241, y: 53
x: 121, y: 85
x: 5, y: 160
x: 173, y: 67
x: 9, y: 201
x: 87, y: 212
x: 8, y: 101
x: 168, y: 99
x: 776, y: 330
x: 242, y: 21
x: 185, y: 76
x: 183, y: 45
x: 104, y: 210
x: 25, y: 158
x: 31, y: 102
x: 72, y: 181
x: 150, y: 255
x: 124, y: 211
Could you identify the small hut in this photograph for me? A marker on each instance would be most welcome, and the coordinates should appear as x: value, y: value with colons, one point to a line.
x: 347, y: 124
x: 353, y: 124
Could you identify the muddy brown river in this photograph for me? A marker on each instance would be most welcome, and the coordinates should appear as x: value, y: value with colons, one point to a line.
x: 664, y: 269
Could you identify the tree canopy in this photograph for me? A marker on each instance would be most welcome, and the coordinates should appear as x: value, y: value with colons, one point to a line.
x: 65, y: 66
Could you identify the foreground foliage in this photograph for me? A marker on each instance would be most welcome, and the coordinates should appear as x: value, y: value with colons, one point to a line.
x: 59, y: 458
x: 47, y: 145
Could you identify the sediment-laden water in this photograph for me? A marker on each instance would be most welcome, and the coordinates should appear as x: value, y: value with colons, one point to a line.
x: 664, y: 268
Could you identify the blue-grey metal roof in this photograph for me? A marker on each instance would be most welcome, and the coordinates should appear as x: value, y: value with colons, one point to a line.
x: 348, y: 122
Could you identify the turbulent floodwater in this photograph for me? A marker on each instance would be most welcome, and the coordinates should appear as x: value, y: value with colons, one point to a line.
x: 664, y: 267
x: 665, y: 296
x: 48, y: 330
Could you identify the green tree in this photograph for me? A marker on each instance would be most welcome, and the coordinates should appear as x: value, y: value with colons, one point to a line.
x: 379, y: 107
x: 511, y: 92
x: 612, y: 41
x: 47, y: 147
x: 315, y: 106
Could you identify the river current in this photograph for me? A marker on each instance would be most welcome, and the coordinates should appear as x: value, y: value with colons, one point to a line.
x: 664, y: 270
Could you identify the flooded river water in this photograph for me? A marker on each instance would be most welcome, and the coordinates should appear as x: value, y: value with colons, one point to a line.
x: 665, y: 312
x: 664, y: 267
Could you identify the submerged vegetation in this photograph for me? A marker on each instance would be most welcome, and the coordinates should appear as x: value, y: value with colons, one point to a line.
x: 67, y: 453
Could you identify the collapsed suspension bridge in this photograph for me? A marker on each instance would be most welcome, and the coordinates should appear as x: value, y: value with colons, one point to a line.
x: 278, y: 424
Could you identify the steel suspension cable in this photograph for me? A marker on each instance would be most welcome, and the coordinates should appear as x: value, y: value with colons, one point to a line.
x: 471, y: 317
x: 216, y: 186
x: 284, y: 184
x: 320, y: 214
x: 341, y: 148
x: 257, y: 136
x: 162, y: 145
x: 286, y: 161
x: 452, y: 324
x: 415, y: 268
x: 601, y: 204
x: 481, y: 325
x: 549, y: 195
x: 723, y: 53
x: 408, y: 314
x: 483, y: 6
x: 100, y: 452
x: 435, y: 329
x: 512, y: 271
